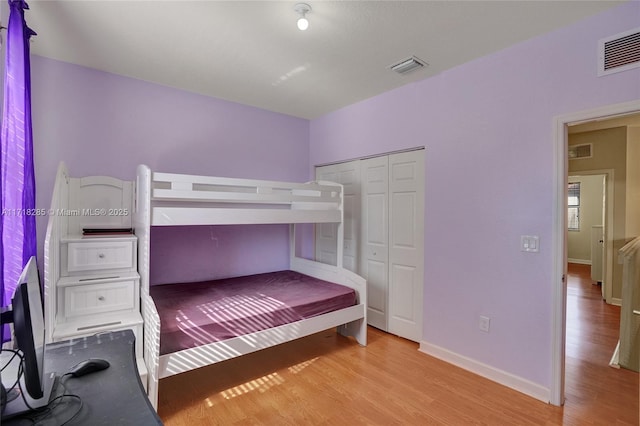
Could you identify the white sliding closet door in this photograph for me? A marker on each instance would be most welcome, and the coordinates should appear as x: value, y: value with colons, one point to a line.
x: 374, y: 262
x: 347, y: 174
x: 406, y: 244
x: 384, y: 236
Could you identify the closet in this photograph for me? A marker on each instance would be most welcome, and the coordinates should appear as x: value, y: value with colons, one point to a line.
x: 384, y: 235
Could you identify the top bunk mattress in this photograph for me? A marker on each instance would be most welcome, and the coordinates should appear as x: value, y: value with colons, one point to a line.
x: 194, y: 314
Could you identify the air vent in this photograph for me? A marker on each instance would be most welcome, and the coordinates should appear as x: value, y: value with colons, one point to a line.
x: 580, y: 151
x: 407, y: 65
x: 619, y: 53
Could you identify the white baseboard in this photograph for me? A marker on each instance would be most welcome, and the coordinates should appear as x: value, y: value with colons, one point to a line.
x: 580, y: 261
x: 616, y: 301
x: 525, y: 386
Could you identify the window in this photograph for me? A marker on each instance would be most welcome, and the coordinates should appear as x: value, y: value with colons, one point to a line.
x: 574, y: 206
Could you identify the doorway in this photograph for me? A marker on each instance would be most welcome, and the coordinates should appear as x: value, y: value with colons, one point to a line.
x: 559, y: 243
x: 591, y: 241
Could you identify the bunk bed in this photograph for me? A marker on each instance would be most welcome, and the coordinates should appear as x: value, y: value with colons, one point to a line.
x: 212, y: 330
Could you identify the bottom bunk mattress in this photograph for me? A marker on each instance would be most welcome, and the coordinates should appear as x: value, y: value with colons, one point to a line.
x: 194, y: 314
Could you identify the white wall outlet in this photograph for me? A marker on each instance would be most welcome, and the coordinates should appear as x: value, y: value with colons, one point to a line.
x: 485, y: 323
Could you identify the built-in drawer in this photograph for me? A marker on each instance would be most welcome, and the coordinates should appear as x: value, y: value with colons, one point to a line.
x: 100, y: 255
x: 92, y: 298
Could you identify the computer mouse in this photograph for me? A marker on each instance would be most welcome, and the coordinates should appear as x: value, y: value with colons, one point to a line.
x: 88, y: 366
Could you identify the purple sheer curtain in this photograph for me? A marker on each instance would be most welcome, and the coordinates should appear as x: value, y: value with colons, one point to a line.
x: 17, y: 222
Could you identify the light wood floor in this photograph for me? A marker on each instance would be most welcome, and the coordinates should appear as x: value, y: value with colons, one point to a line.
x: 326, y: 379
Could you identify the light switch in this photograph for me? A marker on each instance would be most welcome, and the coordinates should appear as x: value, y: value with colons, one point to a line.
x: 530, y: 243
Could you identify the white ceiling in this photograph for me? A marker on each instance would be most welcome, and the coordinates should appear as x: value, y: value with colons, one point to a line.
x: 253, y: 53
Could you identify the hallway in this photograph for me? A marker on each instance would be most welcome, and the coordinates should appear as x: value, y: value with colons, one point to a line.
x: 593, y: 389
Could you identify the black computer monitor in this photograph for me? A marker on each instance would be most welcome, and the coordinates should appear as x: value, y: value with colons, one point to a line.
x: 29, y: 334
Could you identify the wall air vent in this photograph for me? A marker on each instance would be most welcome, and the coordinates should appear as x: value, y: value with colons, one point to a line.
x: 407, y: 65
x: 619, y: 53
x: 580, y: 151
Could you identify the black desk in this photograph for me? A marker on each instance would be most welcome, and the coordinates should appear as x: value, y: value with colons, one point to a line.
x: 114, y: 396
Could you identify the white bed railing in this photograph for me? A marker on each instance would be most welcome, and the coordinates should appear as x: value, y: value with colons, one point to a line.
x: 180, y: 199
x: 151, y: 345
x: 179, y: 187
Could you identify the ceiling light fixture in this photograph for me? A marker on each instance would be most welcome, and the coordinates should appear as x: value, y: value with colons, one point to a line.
x: 302, y: 9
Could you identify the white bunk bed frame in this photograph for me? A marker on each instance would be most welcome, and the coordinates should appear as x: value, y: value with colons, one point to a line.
x: 166, y: 199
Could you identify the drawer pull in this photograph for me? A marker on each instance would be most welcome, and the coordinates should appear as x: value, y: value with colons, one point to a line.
x: 101, y: 255
x: 98, y: 278
x: 101, y: 298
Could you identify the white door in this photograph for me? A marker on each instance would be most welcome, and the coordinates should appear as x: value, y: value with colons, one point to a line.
x: 406, y: 244
x: 374, y: 241
x: 597, y: 253
x: 347, y: 174
x: 384, y: 236
x: 603, y: 238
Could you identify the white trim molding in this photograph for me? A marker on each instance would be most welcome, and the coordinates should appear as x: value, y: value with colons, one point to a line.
x: 504, y: 378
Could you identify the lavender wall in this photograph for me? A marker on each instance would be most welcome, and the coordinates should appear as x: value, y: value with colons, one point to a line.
x: 103, y: 124
x: 488, y: 131
x: 234, y: 250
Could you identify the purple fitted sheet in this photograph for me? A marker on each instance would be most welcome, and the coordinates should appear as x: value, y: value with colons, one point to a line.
x: 194, y: 314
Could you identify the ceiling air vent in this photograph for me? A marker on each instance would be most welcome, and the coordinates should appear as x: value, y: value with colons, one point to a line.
x: 619, y: 53
x: 580, y: 151
x: 407, y: 65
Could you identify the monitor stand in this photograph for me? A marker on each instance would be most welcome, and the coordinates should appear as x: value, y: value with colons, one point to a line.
x: 17, y: 406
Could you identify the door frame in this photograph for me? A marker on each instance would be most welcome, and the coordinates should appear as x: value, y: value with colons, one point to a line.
x: 558, y: 235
